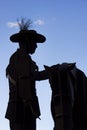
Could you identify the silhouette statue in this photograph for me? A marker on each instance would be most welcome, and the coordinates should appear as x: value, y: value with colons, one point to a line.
x: 69, y: 97
x: 22, y: 72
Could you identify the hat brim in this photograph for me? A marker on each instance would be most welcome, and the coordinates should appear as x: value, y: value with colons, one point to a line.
x: 39, y: 38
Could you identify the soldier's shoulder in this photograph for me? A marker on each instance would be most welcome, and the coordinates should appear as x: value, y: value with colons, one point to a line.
x: 13, y: 56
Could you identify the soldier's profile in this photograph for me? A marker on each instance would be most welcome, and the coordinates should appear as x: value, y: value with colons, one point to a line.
x: 22, y: 72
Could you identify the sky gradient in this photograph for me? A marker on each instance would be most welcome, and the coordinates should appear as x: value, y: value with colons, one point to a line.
x: 64, y: 23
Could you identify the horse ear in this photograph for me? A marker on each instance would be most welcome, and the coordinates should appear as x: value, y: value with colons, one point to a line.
x: 46, y: 67
x: 71, y: 66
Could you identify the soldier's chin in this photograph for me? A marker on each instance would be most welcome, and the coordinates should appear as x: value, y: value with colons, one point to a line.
x: 32, y: 52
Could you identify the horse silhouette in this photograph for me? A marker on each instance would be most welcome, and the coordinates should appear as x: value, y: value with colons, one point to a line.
x: 68, y: 102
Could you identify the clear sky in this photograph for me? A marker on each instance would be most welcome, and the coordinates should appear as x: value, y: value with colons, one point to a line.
x: 64, y: 23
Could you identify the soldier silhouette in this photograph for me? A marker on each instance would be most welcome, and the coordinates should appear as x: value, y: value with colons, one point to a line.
x: 22, y: 72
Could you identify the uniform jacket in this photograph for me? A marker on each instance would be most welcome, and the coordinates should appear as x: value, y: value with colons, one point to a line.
x: 22, y: 72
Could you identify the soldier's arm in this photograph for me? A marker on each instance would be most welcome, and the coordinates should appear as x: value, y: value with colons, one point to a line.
x: 40, y: 75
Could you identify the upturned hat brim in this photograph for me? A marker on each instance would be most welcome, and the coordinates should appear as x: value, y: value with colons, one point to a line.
x: 31, y: 34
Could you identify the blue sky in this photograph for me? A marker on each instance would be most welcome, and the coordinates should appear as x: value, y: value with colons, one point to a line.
x: 64, y: 23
